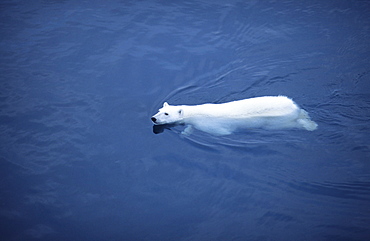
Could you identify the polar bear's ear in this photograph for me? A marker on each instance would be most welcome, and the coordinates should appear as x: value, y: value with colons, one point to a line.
x: 165, y: 104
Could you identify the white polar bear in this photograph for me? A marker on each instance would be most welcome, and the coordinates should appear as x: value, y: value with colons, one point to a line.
x: 268, y: 112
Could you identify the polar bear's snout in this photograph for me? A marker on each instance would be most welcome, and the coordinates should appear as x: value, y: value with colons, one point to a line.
x: 154, y: 119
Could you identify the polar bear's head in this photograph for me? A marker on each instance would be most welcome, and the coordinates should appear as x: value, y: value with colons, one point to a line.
x: 168, y: 115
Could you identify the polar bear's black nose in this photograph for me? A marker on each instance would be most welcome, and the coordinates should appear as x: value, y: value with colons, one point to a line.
x: 154, y: 119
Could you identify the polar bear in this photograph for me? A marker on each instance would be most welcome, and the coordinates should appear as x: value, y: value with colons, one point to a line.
x: 268, y: 112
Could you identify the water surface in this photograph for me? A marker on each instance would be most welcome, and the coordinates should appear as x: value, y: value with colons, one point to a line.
x: 81, y: 79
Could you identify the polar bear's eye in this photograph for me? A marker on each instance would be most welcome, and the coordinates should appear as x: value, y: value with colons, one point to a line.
x: 166, y: 113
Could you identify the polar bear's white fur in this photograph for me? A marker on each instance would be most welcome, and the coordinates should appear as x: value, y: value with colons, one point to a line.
x: 268, y: 112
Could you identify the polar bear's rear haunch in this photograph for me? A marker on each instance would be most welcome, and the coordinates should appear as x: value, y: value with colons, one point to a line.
x: 268, y: 112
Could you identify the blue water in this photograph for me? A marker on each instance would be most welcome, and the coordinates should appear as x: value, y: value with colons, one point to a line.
x: 80, y: 80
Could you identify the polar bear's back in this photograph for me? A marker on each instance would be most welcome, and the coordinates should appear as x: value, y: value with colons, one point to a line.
x: 268, y: 106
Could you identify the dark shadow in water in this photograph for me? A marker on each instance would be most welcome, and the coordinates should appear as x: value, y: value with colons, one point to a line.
x: 157, y: 129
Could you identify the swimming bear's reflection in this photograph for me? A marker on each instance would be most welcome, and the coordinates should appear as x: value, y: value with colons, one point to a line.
x: 157, y: 129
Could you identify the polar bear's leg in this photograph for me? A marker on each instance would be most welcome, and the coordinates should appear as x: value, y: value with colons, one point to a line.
x: 307, y: 124
x: 188, y: 130
x: 305, y: 121
x: 214, y: 129
x: 221, y: 132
